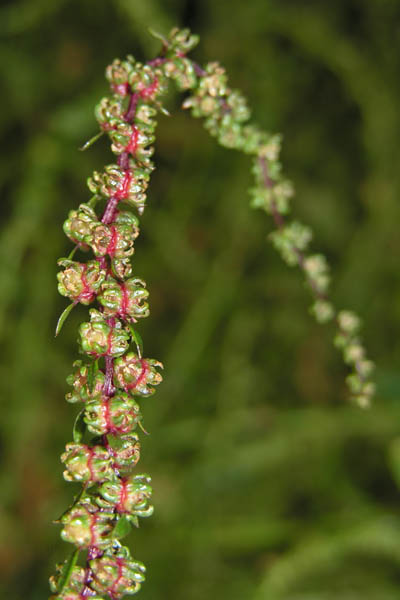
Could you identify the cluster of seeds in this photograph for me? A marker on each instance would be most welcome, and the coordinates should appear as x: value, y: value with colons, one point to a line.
x: 114, y: 375
x: 226, y: 116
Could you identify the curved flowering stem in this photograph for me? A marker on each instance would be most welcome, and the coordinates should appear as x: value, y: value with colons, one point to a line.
x: 113, y: 377
x: 225, y: 113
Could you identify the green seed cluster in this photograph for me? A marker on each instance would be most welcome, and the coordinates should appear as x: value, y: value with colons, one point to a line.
x: 226, y: 117
x: 113, y: 377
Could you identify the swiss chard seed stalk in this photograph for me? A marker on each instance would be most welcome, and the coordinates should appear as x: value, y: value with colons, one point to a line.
x: 113, y: 378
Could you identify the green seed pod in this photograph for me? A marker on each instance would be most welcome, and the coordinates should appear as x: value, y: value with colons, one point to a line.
x: 87, y: 464
x: 78, y: 226
x: 130, y: 495
x: 137, y: 375
x: 80, y: 282
x: 85, y: 525
x: 119, y: 414
x: 124, y: 300
x: 125, y: 450
x: 97, y: 338
x: 116, y: 573
x: 85, y: 385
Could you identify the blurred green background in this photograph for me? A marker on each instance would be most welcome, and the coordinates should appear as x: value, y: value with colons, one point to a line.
x: 268, y: 484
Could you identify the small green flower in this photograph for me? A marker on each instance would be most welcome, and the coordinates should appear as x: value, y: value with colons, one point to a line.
x: 215, y: 82
x: 323, y: 311
x: 98, y: 338
x: 80, y: 281
x: 118, y: 73
x: 89, y: 464
x: 181, y: 70
x: 78, y: 226
x: 127, y: 137
x: 86, y: 384
x: 348, y: 321
x: 116, y: 573
x: 86, y: 525
x: 125, y: 451
x: 116, y: 240
x: 137, y: 375
x: 272, y: 199
x: 291, y: 240
x: 126, y: 300
x: 121, y: 268
x: 316, y: 269
x: 129, y: 495
x: 148, y: 82
x: 181, y: 41
x: 75, y: 582
x: 117, y: 415
x: 129, y: 186
x: 68, y: 594
x: 110, y: 111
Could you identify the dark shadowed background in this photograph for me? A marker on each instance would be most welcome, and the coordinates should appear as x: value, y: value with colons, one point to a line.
x: 268, y: 484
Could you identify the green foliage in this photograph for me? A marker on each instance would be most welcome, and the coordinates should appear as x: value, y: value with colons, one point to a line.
x: 265, y: 481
